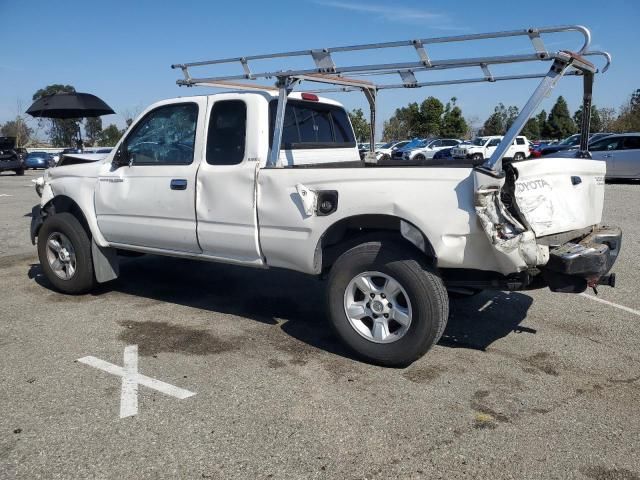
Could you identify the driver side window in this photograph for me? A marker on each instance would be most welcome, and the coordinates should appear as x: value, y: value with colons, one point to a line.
x: 165, y: 136
x: 494, y: 143
x: 611, y: 143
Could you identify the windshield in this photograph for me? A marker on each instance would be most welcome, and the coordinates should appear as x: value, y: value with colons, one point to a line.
x: 479, y: 141
x: 572, y: 140
x: 414, y: 144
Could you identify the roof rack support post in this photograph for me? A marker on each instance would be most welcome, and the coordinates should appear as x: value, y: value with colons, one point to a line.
x: 586, y: 114
x: 371, y: 94
x: 555, y: 73
x: 285, y: 85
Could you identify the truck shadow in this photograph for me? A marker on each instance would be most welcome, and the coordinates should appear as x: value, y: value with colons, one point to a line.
x: 292, y: 300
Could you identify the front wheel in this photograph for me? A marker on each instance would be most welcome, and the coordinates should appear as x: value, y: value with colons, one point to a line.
x: 385, y: 304
x: 477, y: 157
x: 64, y: 250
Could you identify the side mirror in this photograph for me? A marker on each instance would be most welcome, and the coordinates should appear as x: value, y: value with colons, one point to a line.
x: 121, y: 157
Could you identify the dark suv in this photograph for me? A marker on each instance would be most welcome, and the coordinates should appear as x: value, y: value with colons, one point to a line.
x: 10, y: 156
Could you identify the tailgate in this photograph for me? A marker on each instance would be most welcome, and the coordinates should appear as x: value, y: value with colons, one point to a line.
x: 557, y: 195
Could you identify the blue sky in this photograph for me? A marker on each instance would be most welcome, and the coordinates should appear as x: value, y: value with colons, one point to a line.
x: 122, y: 50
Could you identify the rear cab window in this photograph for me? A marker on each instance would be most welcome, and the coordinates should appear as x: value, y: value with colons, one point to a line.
x: 309, y: 125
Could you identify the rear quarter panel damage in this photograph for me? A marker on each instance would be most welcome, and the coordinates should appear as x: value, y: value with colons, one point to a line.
x: 438, y: 201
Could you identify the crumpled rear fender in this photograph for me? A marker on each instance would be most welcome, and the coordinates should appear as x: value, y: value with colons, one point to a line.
x: 514, y: 243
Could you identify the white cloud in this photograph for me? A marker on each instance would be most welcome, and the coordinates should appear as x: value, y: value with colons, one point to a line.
x: 393, y: 13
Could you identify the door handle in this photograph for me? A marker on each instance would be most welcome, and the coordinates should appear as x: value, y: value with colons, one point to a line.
x: 179, y: 184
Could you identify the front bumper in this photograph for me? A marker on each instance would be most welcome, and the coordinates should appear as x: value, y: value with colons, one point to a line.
x: 576, y: 265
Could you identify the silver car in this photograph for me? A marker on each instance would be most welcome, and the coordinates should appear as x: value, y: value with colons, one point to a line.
x: 622, y: 154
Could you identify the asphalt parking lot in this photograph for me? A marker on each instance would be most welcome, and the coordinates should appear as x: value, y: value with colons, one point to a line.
x: 523, y: 385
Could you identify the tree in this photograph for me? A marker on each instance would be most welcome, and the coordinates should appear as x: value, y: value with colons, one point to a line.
x: 110, y: 136
x: 543, y: 126
x: 360, y: 125
x: 496, y: 123
x: 531, y: 129
x: 403, y: 123
x: 19, y: 129
x: 596, y: 122
x: 559, y: 122
x: 62, y: 133
x: 629, y: 118
x: 453, y: 123
x: 511, y: 114
x: 607, y: 118
x: 92, y: 130
x: 429, y: 118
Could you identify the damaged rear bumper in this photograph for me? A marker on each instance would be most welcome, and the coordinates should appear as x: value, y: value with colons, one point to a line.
x: 574, y: 266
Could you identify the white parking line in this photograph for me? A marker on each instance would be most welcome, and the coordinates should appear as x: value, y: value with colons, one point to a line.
x: 485, y: 306
x: 611, y: 304
x: 131, y: 379
x: 5, y: 195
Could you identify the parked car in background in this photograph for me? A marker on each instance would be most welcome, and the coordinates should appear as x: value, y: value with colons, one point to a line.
x: 621, y: 152
x: 483, y: 147
x: 415, y: 143
x: 10, y: 159
x: 568, y: 143
x: 386, y: 150
x: 36, y: 160
x: 428, y: 151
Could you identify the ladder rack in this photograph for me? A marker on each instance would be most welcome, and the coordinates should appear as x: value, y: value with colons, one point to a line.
x: 326, y: 71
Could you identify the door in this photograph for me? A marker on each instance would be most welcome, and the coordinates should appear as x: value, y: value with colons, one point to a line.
x: 225, y: 206
x: 627, y: 160
x: 491, y: 147
x: 151, y: 201
x: 607, y: 149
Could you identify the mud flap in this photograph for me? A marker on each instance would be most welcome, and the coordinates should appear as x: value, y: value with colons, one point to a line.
x: 514, y: 245
x: 106, y: 266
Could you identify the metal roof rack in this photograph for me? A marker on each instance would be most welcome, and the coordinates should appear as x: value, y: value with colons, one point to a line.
x: 326, y: 71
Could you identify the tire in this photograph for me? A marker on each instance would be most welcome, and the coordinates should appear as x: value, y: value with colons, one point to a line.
x: 518, y: 156
x: 477, y: 157
x: 72, y: 243
x: 420, y: 158
x: 20, y: 171
x: 422, y: 295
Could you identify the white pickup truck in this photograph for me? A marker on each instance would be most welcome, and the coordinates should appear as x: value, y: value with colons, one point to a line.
x: 482, y: 148
x: 268, y: 178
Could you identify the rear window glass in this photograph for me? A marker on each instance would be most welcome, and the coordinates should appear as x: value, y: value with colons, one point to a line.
x: 520, y: 141
x: 227, y: 132
x: 308, y: 125
x: 631, y: 143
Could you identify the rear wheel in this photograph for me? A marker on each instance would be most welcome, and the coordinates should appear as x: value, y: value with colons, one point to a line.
x: 64, y: 250
x: 385, y: 305
x: 518, y: 156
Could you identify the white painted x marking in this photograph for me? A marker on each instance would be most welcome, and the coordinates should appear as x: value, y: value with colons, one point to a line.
x: 131, y: 379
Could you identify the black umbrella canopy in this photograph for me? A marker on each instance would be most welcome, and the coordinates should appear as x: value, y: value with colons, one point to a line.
x: 69, y: 105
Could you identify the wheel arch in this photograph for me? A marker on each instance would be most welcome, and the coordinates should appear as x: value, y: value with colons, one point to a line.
x: 350, y: 231
x: 64, y: 203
